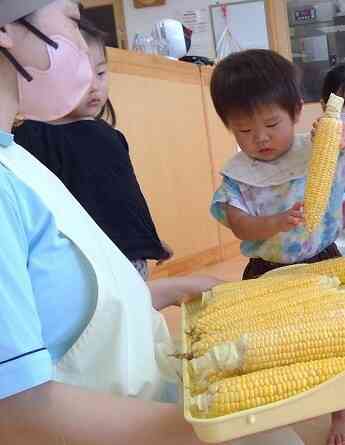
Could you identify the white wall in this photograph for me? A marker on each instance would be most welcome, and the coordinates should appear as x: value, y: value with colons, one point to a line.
x: 143, y: 19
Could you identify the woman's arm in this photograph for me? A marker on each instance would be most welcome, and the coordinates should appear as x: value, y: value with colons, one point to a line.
x: 59, y: 414
x: 252, y: 228
x: 173, y: 291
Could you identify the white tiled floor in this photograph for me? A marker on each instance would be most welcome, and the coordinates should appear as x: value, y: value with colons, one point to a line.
x: 313, y: 432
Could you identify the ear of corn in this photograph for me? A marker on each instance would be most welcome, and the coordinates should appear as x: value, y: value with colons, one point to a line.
x: 292, y: 344
x: 323, y: 162
x: 229, y: 294
x: 264, y: 387
x: 225, y: 291
x: 318, y: 308
x: 220, y: 319
x: 276, y: 347
x: 332, y: 267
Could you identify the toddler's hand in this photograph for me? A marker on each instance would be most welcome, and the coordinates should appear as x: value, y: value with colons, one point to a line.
x: 291, y: 218
x: 313, y: 131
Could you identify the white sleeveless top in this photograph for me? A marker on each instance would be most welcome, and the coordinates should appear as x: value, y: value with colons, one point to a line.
x: 122, y: 350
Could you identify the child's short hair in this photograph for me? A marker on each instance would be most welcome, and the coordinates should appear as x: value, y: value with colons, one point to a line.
x: 247, y: 79
x: 334, y: 82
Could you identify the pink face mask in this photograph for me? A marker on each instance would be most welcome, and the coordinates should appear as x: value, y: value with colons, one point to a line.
x: 56, y: 92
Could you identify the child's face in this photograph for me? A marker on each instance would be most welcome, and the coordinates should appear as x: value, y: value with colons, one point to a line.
x: 97, y: 95
x: 265, y: 135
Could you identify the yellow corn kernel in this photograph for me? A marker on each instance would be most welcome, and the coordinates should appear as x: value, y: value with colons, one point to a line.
x: 229, y: 294
x: 321, y: 308
x: 263, y: 387
x: 225, y: 290
x: 305, y: 341
x: 281, y: 346
x: 279, y: 301
x: 323, y: 163
x: 292, y: 344
x: 332, y: 267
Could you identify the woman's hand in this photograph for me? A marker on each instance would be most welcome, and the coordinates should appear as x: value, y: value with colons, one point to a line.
x: 177, y: 290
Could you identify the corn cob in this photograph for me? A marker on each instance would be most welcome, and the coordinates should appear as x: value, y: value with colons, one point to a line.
x: 198, y: 386
x: 221, y: 319
x: 205, y: 373
x: 281, y: 346
x: 323, y: 162
x: 332, y: 267
x: 316, y: 309
x: 224, y: 291
x: 264, y: 387
x: 229, y: 294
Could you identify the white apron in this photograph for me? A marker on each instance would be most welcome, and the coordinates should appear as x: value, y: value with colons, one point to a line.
x: 120, y: 349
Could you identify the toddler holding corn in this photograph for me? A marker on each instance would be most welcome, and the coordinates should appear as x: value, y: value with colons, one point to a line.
x: 256, y: 94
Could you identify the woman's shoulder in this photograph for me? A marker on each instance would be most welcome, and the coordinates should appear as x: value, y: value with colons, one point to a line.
x: 14, y: 192
x: 9, y: 183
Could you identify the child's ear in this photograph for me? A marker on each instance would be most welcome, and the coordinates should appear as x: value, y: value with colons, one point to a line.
x: 5, y: 39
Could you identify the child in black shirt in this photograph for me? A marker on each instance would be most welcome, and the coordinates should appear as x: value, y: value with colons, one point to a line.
x: 92, y: 159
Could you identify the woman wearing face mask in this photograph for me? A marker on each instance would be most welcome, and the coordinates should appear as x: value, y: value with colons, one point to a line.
x: 77, y: 364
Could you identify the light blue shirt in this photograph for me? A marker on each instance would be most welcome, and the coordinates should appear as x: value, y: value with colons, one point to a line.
x: 47, y: 288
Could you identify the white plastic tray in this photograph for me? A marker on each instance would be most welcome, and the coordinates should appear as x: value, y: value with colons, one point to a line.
x: 323, y: 399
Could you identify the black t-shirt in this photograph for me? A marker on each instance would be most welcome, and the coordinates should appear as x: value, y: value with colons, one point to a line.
x: 92, y: 160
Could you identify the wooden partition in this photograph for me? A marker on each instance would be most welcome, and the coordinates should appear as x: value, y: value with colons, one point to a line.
x: 222, y: 146
x: 160, y: 109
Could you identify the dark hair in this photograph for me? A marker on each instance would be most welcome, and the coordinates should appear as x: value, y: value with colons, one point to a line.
x: 247, y: 79
x: 92, y: 34
x: 334, y: 82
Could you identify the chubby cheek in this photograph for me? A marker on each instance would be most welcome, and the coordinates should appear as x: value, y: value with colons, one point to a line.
x: 105, y: 90
x: 286, y: 139
x: 245, y: 141
x: 104, y: 96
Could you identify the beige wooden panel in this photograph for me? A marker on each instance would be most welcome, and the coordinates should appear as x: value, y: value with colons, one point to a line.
x: 163, y: 121
x: 152, y: 66
x: 222, y: 146
x: 278, y: 28
x: 309, y: 114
